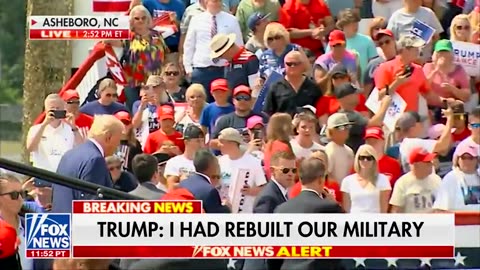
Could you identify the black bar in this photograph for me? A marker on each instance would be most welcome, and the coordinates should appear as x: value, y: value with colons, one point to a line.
x: 73, y: 183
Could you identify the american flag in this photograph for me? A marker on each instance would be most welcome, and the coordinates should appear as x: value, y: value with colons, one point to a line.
x: 467, y: 255
x: 465, y: 258
x: 110, y: 5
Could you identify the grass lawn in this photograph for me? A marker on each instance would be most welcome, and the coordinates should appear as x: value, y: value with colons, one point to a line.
x: 10, y: 148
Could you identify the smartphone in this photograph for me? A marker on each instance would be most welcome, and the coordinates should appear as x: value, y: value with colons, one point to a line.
x: 59, y: 114
x: 41, y: 183
x: 258, y: 135
x: 407, y: 71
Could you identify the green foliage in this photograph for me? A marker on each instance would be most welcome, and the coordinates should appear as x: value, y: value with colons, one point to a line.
x: 12, y: 48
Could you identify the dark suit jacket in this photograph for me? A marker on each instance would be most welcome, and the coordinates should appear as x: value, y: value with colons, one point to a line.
x: 269, y: 198
x: 203, y: 190
x: 308, y: 202
x: 84, y: 162
x: 148, y: 191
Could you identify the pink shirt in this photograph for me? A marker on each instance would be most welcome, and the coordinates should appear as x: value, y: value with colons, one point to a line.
x: 457, y: 78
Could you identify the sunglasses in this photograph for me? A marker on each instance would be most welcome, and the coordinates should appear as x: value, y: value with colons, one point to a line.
x: 244, y: 98
x: 195, y: 97
x: 14, y: 195
x: 292, y: 64
x: 270, y: 39
x: 337, y: 45
x: 475, y: 125
x: 345, y: 127
x: 73, y: 102
x: 111, y: 95
x: 286, y: 170
x: 386, y: 42
x: 462, y: 27
x: 115, y: 168
x: 467, y: 157
x: 126, y: 122
x: 143, y: 18
x: 172, y: 73
x: 366, y: 158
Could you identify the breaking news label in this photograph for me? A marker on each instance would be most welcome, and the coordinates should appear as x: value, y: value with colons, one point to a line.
x: 78, y: 27
x: 179, y: 229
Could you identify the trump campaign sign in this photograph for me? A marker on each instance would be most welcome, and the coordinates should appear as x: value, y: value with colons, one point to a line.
x: 422, y: 30
x: 468, y: 56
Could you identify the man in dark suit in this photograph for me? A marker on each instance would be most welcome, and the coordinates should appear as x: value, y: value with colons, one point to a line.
x: 202, y: 184
x: 274, y: 193
x: 312, y: 199
x: 87, y: 162
x: 145, y: 168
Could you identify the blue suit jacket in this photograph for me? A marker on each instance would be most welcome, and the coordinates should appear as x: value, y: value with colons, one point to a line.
x: 203, y: 190
x: 84, y: 162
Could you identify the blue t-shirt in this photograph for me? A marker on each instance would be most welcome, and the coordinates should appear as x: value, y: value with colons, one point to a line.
x: 94, y: 108
x: 156, y: 8
x: 394, y: 151
x: 211, y: 113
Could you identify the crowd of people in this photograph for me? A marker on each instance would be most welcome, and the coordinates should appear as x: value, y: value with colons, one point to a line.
x: 203, y: 119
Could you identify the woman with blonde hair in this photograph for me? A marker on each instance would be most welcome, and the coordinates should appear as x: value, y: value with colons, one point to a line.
x: 474, y: 17
x: 196, y: 101
x: 375, y: 25
x: 143, y: 52
x: 460, y: 29
x: 367, y: 190
x: 106, y: 102
x: 277, y: 40
x: 278, y: 135
x: 172, y: 78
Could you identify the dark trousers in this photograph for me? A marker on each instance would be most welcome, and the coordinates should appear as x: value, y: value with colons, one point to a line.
x: 205, y: 76
x: 132, y: 94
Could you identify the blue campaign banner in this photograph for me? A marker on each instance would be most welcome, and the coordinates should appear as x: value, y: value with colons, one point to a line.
x: 274, y: 77
x: 422, y: 30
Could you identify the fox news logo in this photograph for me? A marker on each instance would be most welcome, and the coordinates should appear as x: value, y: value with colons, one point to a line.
x: 47, y: 231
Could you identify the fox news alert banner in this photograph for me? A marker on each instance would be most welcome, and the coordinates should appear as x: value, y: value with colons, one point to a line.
x: 78, y: 27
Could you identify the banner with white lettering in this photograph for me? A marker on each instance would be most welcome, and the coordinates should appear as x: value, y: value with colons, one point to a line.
x: 468, y: 56
x: 422, y: 30
x: 114, y: 66
x: 239, y: 180
x: 397, y: 107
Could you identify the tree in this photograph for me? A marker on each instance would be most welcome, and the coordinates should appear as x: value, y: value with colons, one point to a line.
x: 47, y: 63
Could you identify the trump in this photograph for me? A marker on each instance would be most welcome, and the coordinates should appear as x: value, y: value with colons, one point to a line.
x: 87, y: 162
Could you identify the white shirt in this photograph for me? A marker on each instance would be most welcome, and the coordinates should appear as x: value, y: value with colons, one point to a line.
x: 179, y: 166
x: 365, y: 199
x: 459, y: 191
x: 196, y: 49
x: 53, y: 144
x: 415, y: 195
x: 245, y: 171
x: 282, y: 189
x: 301, y: 152
x: 100, y: 148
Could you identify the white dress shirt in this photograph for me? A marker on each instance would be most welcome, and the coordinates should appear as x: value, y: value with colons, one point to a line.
x: 282, y: 189
x: 196, y: 48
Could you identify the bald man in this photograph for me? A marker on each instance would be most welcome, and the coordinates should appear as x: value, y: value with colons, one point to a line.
x: 87, y: 162
x: 295, y: 90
